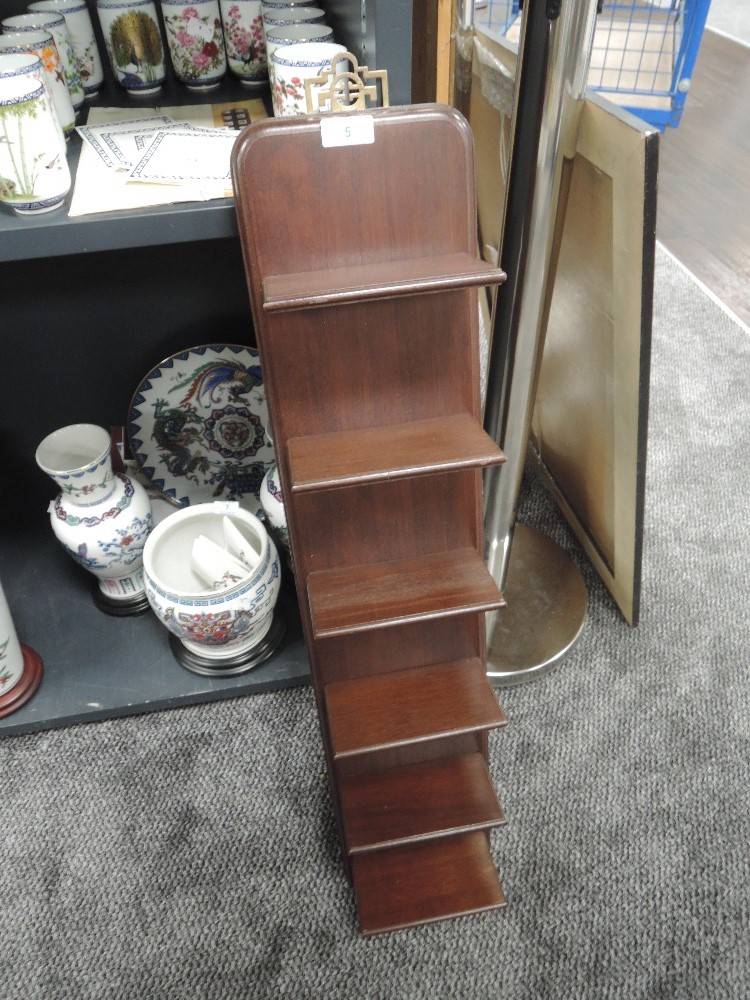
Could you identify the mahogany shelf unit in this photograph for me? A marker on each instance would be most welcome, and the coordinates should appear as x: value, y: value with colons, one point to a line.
x: 363, y: 271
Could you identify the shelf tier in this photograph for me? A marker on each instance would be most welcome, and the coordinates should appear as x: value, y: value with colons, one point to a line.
x: 382, y: 711
x: 418, y: 802
x: 378, y: 595
x: 425, y: 882
x: 383, y: 279
x: 374, y: 454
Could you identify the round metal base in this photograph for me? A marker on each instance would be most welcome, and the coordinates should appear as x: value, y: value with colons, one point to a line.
x: 29, y: 681
x: 135, y: 605
x: 230, y: 666
x: 547, y: 604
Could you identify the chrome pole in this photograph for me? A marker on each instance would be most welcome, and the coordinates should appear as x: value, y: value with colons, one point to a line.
x: 553, y: 58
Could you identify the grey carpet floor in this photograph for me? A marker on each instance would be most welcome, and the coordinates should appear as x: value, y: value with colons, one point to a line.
x: 192, y: 854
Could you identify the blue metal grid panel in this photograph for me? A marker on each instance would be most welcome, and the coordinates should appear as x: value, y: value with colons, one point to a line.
x: 642, y: 56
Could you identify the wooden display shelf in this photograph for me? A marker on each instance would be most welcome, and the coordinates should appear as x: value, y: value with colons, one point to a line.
x: 379, y: 280
x: 371, y: 454
x: 408, y: 706
x: 378, y: 595
x: 425, y: 882
x: 418, y: 802
x: 368, y: 336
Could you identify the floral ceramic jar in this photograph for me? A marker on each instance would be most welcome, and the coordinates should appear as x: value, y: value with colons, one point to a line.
x: 196, y: 42
x: 245, y: 41
x: 219, y: 628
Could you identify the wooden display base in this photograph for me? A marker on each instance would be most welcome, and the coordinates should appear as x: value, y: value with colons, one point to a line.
x: 208, y: 666
x: 137, y: 605
x: 30, y: 680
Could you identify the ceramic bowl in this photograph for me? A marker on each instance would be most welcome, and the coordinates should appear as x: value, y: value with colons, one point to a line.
x: 214, y: 626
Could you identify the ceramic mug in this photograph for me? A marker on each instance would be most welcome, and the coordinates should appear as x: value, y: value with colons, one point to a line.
x: 55, y: 25
x: 82, y: 38
x: 269, y: 5
x: 42, y: 45
x: 292, y: 65
x: 134, y: 44
x: 34, y: 174
x: 293, y: 34
x: 244, y: 40
x: 282, y: 17
x: 196, y: 42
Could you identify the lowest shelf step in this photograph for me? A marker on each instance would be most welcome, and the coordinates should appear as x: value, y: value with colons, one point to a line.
x: 425, y: 882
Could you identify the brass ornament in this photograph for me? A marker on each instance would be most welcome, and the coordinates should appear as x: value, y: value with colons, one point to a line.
x: 350, y: 90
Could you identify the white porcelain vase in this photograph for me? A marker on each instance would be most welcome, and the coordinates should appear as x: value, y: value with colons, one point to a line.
x: 102, y: 518
x: 219, y: 630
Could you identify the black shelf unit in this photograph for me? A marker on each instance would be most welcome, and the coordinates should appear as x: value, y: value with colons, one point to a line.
x: 89, y: 305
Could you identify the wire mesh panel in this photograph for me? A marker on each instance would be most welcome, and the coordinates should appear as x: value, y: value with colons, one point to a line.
x: 642, y: 55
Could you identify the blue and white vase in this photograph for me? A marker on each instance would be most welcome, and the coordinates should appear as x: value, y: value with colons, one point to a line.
x: 102, y: 518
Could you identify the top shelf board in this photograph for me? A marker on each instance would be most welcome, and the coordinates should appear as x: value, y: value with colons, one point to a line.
x: 339, y: 214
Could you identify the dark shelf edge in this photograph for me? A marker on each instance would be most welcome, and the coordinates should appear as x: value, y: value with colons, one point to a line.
x: 58, y: 235
x: 10, y: 727
x: 100, y: 667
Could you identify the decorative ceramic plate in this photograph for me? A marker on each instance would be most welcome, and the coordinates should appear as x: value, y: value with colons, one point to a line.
x: 197, y: 426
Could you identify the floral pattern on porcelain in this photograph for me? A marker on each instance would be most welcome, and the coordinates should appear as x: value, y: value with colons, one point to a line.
x: 196, y: 43
x: 124, y: 549
x: 226, y: 618
x: 272, y: 501
x: 84, y: 46
x: 289, y: 97
x: 245, y: 44
x: 106, y: 551
x: 55, y: 24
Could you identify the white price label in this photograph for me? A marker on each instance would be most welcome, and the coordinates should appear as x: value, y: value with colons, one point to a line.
x: 347, y: 130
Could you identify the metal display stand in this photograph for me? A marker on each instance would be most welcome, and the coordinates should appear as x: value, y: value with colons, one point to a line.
x: 547, y: 599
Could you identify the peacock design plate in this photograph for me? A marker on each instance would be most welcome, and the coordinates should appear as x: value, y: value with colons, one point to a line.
x: 197, y: 426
